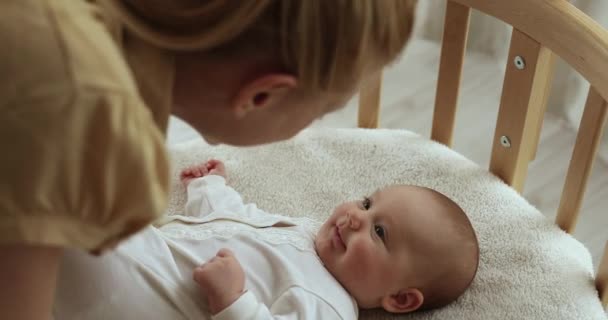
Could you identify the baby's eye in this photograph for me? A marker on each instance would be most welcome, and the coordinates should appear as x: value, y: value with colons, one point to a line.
x: 379, y: 231
x: 366, y: 203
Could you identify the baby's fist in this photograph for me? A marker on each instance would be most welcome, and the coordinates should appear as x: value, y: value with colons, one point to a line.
x: 221, y: 279
x: 215, y: 167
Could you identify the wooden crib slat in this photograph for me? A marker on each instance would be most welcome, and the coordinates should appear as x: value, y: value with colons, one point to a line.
x: 581, y: 163
x: 573, y: 35
x: 521, y: 109
x: 550, y: 61
x: 601, y: 280
x: 455, y: 32
x: 369, y: 103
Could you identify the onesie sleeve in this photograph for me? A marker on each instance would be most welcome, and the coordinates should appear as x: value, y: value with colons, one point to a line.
x: 204, y: 191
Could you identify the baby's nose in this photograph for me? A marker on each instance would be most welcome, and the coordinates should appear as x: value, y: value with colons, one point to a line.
x: 350, y: 221
x: 354, y: 220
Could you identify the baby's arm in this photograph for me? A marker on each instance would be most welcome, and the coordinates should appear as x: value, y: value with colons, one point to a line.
x: 207, y: 190
x: 222, y: 281
x: 211, y: 167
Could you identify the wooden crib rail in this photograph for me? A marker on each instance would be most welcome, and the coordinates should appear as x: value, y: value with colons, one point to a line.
x: 369, y: 103
x: 455, y: 32
x: 541, y: 28
x: 559, y: 26
x: 602, y: 278
x: 522, y: 106
x: 581, y: 163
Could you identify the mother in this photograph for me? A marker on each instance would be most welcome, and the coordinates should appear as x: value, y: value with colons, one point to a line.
x: 87, y: 88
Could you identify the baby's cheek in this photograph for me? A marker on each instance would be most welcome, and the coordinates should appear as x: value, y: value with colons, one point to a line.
x: 335, y: 214
x: 362, y: 257
x: 341, y: 209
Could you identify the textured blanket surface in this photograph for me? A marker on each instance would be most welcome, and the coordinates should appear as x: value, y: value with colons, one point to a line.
x: 529, y: 269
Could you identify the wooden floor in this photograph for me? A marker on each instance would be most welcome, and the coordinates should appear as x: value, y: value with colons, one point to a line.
x: 407, y: 101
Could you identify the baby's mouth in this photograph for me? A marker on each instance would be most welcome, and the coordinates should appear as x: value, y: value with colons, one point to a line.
x: 337, y: 238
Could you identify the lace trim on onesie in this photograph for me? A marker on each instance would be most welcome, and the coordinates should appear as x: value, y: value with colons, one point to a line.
x: 300, y: 238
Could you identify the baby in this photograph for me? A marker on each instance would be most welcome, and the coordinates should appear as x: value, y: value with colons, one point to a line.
x: 404, y: 248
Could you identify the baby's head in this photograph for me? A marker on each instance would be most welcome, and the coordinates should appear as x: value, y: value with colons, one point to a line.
x: 404, y: 248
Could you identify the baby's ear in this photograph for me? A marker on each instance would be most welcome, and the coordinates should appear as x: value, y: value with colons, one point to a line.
x: 404, y: 301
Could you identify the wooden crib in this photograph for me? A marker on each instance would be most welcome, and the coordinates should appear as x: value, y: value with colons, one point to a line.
x: 541, y: 30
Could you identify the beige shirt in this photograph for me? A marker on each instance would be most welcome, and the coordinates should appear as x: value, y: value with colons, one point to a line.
x: 83, y: 161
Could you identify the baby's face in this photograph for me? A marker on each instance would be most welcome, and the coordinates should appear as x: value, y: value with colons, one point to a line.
x: 370, y: 245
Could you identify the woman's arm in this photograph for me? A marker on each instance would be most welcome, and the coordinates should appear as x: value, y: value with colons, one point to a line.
x: 28, y: 276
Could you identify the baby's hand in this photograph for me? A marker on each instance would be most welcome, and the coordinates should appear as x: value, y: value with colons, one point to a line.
x: 212, y: 166
x: 221, y: 279
x: 216, y: 167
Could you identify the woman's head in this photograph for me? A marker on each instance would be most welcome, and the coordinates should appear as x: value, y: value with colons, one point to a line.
x: 254, y: 71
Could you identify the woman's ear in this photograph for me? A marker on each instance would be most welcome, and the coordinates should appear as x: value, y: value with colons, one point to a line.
x: 262, y: 92
x: 404, y: 301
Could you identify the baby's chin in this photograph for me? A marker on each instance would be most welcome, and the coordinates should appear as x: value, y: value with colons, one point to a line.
x: 320, y: 249
x: 318, y: 243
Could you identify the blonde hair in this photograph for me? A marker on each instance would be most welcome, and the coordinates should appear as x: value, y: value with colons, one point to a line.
x: 328, y: 44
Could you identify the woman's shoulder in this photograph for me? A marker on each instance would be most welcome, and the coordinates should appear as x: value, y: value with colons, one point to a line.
x: 58, y: 48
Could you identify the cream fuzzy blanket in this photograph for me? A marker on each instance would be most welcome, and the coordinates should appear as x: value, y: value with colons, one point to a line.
x: 529, y: 269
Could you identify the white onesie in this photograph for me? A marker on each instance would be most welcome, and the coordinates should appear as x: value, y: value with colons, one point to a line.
x: 149, y: 276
